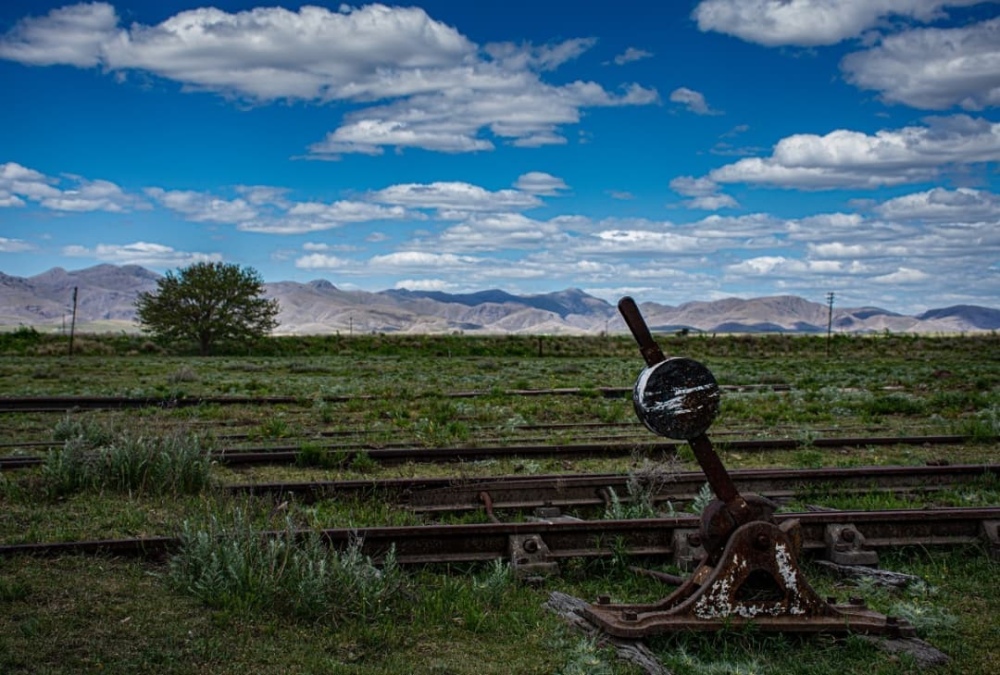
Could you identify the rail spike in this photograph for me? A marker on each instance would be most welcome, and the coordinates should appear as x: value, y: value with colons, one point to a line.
x: 750, y: 571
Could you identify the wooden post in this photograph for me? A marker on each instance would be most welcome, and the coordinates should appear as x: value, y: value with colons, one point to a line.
x: 72, y: 324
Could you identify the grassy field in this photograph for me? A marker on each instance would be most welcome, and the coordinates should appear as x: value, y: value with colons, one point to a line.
x: 301, y: 609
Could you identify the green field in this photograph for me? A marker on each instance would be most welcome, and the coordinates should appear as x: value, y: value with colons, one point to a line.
x: 78, y: 614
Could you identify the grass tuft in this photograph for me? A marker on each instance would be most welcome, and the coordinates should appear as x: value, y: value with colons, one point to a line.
x: 235, y: 568
x: 175, y: 463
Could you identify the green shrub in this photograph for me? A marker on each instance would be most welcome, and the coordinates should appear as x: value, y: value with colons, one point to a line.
x: 176, y: 463
x: 240, y: 570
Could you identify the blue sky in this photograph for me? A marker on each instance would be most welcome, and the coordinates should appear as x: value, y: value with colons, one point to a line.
x: 674, y: 151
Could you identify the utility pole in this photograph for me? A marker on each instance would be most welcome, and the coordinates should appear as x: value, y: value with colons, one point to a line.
x: 829, y: 321
x: 72, y: 324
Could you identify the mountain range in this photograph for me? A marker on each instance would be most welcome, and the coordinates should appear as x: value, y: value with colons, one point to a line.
x: 106, y: 297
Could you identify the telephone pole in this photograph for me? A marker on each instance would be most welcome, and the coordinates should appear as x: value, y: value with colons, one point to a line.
x: 829, y: 321
x: 72, y: 324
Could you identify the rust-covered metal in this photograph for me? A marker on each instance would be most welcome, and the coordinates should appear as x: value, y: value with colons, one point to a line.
x: 749, y: 572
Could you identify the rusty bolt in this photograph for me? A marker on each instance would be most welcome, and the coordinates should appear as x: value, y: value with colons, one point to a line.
x: 847, y: 535
x: 629, y: 615
x: 694, y: 538
x: 531, y: 546
x: 603, y: 599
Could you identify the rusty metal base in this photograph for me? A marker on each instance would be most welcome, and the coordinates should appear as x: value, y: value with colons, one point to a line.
x: 755, y: 581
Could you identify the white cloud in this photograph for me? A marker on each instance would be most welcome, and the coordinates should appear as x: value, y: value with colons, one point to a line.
x: 540, y: 183
x: 810, y: 23
x: 261, y: 195
x: 73, y: 35
x: 419, y: 260
x: 14, y: 245
x: 933, y: 68
x: 454, y: 196
x: 201, y: 207
x: 904, y: 275
x: 140, y: 253
x: 712, y: 202
x: 963, y: 205
x: 496, y: 231
x: 704, y: 193
x: 694, y: 101
x: 843, y: 159
x: 546, y: 57
x: 317, y: 216
x: 320, y: 261
x: 631, y: 54
x: 425, y: 285
x: 441, y: 92
x: 19, y: 183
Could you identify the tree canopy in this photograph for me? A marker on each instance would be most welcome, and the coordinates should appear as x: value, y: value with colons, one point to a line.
x: 209, y: 303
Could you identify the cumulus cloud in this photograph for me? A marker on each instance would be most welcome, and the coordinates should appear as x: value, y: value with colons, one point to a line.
x: 496, y: 231
x: 963, y: 205
x: 903, y: 275
x: 305, y: 217
x: 454, y: 196
x: 201, y: 207
x: 851, y: 159
x: 694, y: 101
x: 540, y: 183
x: 140, y: 253
x: 933, y: 68
x: 704, y: 193
x: 20, y: 185
x: 631, y: 54
x: 441, y: 91
x: 14, y: 245
x: 810, y: 23
x: 73, y: 35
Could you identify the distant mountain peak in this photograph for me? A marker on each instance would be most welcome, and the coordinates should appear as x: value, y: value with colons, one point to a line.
x: 108, y: 293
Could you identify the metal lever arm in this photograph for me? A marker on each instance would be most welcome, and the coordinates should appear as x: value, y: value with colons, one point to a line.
x: 718, y: 478
x: 651, y: 351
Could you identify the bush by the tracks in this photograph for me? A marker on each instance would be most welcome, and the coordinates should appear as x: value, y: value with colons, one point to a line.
x: 93, y: 457
x: 235, y: 568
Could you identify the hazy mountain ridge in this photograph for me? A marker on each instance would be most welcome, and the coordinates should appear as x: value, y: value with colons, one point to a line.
x: 107, y: 294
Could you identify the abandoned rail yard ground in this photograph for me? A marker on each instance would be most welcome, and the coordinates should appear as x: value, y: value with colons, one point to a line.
x: 229, y: 601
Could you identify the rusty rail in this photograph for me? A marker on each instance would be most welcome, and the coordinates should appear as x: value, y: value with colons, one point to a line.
x: 434, y: 495
x: 587, y: 539
x: 652, y: 449
x: 64, y: 403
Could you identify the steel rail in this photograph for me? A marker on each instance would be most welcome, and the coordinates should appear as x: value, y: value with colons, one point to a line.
x: 396, y: 455
x: 64, y: 403
x: 448, y: 495
x: 427, y: 544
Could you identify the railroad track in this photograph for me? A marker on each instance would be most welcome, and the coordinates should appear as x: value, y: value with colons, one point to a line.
x: 654, y: 449
x: 446, y: 495
x: 428, y: 544
x: 64, y: 403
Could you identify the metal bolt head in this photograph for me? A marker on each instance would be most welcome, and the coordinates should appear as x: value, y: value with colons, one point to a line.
x: 531, y: 546
x: 629, y: 615
x: 603, y: 599
x: 847, y: 534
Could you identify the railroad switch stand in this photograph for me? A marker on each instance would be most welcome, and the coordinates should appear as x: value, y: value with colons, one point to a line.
x: 750, y: 571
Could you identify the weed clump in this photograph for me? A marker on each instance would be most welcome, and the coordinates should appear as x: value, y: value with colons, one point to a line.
x: 94, y: 457
x: 239, y: 570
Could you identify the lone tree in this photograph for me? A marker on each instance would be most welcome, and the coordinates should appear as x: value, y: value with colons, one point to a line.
x: 208, y: 302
